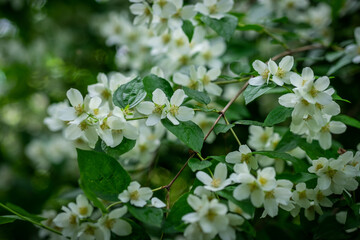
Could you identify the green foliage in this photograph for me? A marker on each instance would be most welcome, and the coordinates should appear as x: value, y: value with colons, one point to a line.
x: 173, y: 222
x: 152, y: 82
x: 240, y: 67
x: 277, y: 115
x: 187, y: 132
x: 250, y: 27
x: 222, y: 128
x: 188, y: 29
x: 129, y: 94
x: 201, y: 97
x: 245, y: 205
x: 299, y: 164
x: 225, y: 26
x: 148, y: 215
x: 196, y: 164
x: 8, y: 219
x: 347, y: 120
x: 125, y: 146
x: 253, y: 92
x: 138, y: 233
x: 102, y: 175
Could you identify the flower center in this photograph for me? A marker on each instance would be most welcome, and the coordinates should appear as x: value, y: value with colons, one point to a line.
x: 302, y: 194
x: 265, y: 74
x: 158, y: 109
x: 280, y: 73
x: 79, y: 109
x: 174, y: 110
x: 110, y: 223
x: 83, y: 210
x: 263, y: 180
x: 216, y: 182
x: 134, y: 195
x: 106, y: 94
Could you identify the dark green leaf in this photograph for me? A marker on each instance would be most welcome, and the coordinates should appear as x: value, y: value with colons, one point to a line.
x: 288, y: 142
x: 153, y: 82
x: 239, y: 67
x: 338, y: 98
x: 314, y: 151
x: 248, y: 27
x: 92, y: 197
x: 218, y: 158
x: 187, y: 132
x: 102, y: 174
x: 125, y: 146
x: 297, y: 177
x: 249, y: 122
x: 277, y: 115
x: 21, y: 212
x: 188, y: 29
x: 245, y: 205
x: 8, y: 219
x: 196, y: 164
x: 347, y: 120
x: 299, y: 164
x: 225, y: 26
x: 173, y: 222
x: 196, y: 95
x: 129, y: 94
x: 148, y: 215
x: 222, y: 128
x: 253, y: 92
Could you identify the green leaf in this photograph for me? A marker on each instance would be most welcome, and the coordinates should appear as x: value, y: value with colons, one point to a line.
x: 188, y: 29
x: 245, y: 205
x: 102, y: 174
x: 187, y: 132
x: 297, y: 177
x: 129, y: 94
x: 21, y: 212
x: 8, y: 219
x: 314, y: 151
x: 196, y: 164
x: 196, y: 95
x: 222, y: 128
x: 224, y: 27
x: 338, y: 98
x: 253, y: 92
x: 92, y: 197
x: 173, y: 222
x: 248, y: 27
x: 288, y: 142
x: 148, y: 215
x: 341, y: 63
x: 249, y: 122
x: 347, y: 120
x: 277, y: 115
x: 299, y: 165
x: 125, y: 146
x: 138, y: 232
x: 153, y: 82
x: 330, y: 57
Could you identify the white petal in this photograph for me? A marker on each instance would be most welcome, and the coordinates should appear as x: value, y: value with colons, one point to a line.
x: 272, y: 67
x: 277, y: 80
x: 257, y: 197
x: 130, y: 132
x: 213, y: 89
x: 181, y: 79
x: 256, y: 81
x: 241, y: 192
x: 204, y: 178
x: 337, y: 127
x: 185, y: 114
x: 288, y: 100
x: 220, y: 171
x: 121, y: 228
x: 145, y: 108
x: 259, y: 66
x: 286, y: 63
x: 172, y: 119
x: 157, y: 203
x: 159, y: 97
x: 72, y: 132
x: 178, y: 97
x: 74, y: 97
x: 296, y: 80
x: 233, y: 157
x: 357, y: 35
x: 322, y: 83
x: 325, y: 140
x: 307, y: 74
x: 214, y: 73
x: 118, y: 213
x: 153, y: 119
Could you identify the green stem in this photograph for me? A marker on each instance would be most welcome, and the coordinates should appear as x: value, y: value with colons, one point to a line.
x: 201, y: 158
x: 276, y: 38
x: 137, y: 118
x: 232, y: 81
x: 30, y: 220
x: 113, y: 204
x: 232, y: 131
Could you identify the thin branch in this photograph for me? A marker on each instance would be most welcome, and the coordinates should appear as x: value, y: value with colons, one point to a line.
x: 232, y: 131
x: 297, y: 50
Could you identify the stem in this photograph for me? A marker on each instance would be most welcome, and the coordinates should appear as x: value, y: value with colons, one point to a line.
x: 30, y: 220
x: 113, y: 204
x: 296, y: 50
x: 232, y: 131
x: 276, y: 39
x: 201, y: 158
x: 137, y: 118
x: 232, y: 81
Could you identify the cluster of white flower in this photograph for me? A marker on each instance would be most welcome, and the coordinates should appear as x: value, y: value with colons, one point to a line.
x: 210, y: 218
x: 77, y: 221
x: 313, y: 108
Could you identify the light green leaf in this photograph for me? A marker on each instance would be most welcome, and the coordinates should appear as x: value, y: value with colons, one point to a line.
x: 125, y: 146
x: 347, y: 120
x: 129, y: 94
x: 187, y: 132
x: 196, y: 164
x: 188, y: 29
x: 299, y: 164
x: 173, y: 222
x: 222, y: 128
x: 148, y: 215
x: 253, y: 92
x: 196, y: 95
x: 102, y: 174
x: 153, y: 82
x: 277, y: 115
x: 225, y: 26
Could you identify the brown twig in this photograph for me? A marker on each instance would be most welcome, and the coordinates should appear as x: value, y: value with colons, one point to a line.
x: 296, y: 50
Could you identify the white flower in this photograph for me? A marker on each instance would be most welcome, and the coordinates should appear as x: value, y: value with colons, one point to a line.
x: 142, y: 11
x: 78, y: 109
x: 324, y: 135
x: 314, y: 92
x: 156, y: 110
x: 192, y: 81
x: 249, y: 187
x: 218, y: 182
x: 354, y: 49
x: 68, y: 221
x: 236, y: 209
x: 135, y: 195
x: 307, y: 76
x: 259, y: 137
x: 112, y: 223
x: 90, y: 231
x: 175, y: 111
x: 54, y: 123
x: 282, y: 72
x: 214, y: 8
x: 244, y: 155
x: 266, y: 178
x: 302, y: 195
x: 82, y: 207
x: 264, y: 72
x: 206, y: 77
